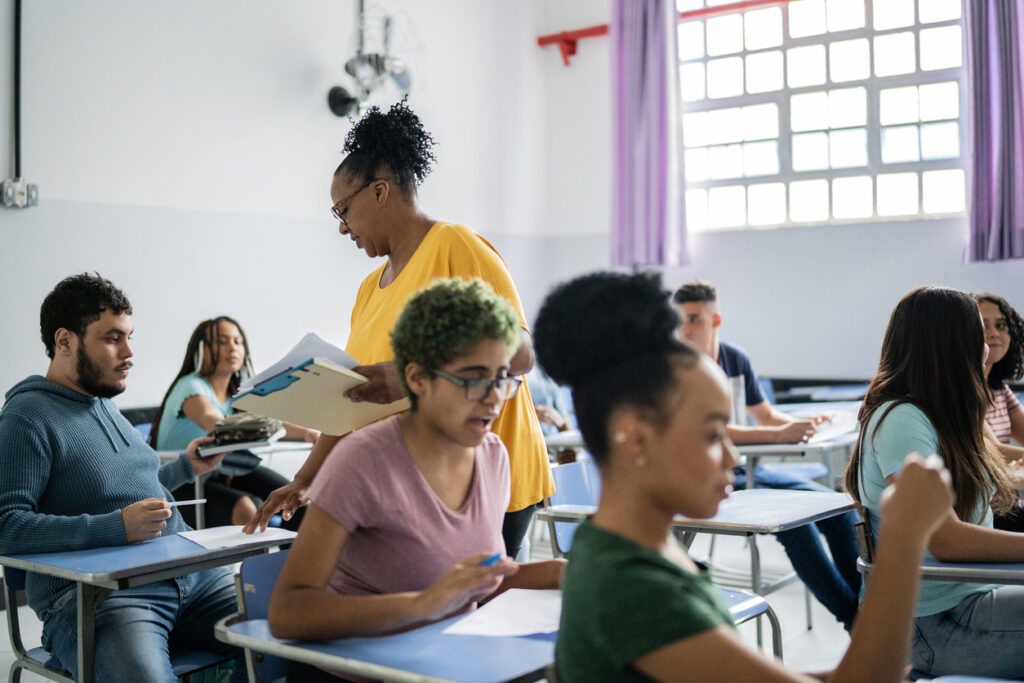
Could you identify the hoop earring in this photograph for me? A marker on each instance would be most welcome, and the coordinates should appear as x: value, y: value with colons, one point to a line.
x: 197, y: 359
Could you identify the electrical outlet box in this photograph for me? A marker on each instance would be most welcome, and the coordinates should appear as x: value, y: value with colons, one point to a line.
x: 18, y: 194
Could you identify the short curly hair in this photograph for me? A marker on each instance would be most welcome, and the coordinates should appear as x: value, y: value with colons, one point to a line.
x: 446, y: 319
x: 75, y: 303
x: 394, y: 145
x: 1011, y: 367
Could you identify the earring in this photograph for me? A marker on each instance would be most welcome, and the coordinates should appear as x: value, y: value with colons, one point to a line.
x: 197, y: 359
x: 620, y: 437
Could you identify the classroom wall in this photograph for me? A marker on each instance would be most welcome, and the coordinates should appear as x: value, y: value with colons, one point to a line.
x: 184, y: 150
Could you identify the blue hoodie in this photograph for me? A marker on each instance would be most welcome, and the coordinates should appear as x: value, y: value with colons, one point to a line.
x: 69, y: 463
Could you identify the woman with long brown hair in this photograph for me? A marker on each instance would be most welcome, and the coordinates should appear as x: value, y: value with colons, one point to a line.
x: 929, y: 395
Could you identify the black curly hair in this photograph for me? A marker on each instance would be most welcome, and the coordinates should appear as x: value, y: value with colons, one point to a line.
x: 75, y: 303
x: 1011, y: 367
x: 393, y: 145
x: 610, y: 337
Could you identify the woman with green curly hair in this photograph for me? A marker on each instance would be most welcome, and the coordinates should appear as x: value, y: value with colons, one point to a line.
x: 406, y: 512
x: 374, y: 197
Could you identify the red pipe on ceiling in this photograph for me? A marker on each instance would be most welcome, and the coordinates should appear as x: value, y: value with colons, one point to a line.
x: 567, y: 40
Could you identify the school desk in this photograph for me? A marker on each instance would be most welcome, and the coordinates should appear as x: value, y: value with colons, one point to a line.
x: 748, y: 512
x: 98, y: 571
x: 1005, y: 573
x: 423, y: 655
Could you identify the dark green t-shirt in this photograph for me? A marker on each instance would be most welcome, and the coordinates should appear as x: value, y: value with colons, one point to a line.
x: 621, y: 601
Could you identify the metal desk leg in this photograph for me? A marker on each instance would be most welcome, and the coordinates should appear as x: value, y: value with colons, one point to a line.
x: 89, y: 599
x: 751, y: 467
x: 755, y: 581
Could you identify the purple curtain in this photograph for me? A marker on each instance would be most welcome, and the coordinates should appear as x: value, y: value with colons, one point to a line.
x: 648, y: 213
x: 995, y: 61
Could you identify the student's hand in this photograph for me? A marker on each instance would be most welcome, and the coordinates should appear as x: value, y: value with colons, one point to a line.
x: 920, y: 499
x: 310, y: 436
x: 550, y: 416
x: 794, y: 432
x: 201, y: 465
x: 818, y: 420
x: 383, y: 387
x: 146, y: 519
x: 285, y: 500
x: 1015, y: 471
x: 463, y: 584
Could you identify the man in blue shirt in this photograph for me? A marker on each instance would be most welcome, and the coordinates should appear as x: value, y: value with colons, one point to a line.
x: 74, y: 474
x: 835, y: 584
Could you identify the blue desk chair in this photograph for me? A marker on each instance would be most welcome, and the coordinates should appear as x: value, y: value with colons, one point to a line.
x: 576, y: 483
x: 40, y: 662
x: 579, y: 483
x: 255, y: 583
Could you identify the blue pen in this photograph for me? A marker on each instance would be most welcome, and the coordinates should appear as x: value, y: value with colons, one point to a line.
x: 493, y: 559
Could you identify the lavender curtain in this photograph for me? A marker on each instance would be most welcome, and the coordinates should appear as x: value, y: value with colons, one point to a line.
x: 648, y: 213
x: 995, y: 62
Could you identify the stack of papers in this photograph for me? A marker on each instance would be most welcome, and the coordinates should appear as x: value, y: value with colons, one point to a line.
x: 310, y: 346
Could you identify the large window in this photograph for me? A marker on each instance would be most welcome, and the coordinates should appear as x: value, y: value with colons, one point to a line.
x: 822, y: 111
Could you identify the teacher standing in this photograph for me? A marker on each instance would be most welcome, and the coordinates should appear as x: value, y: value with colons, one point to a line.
x: 374, y: 199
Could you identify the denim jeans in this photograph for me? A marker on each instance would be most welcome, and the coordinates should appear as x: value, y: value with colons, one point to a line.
x: 982, y: 636
x: 834, y: 582
x: 134, y: 626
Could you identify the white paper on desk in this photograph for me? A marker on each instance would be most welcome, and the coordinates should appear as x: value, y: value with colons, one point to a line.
x: 310, y: 346
x: 232, y: 536
x: 516, y: 612
x: 839, y: 424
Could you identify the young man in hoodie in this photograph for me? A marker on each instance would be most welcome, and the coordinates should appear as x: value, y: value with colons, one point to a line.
x: 74, y: 474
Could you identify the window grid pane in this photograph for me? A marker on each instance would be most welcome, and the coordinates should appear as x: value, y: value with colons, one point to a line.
x: 823, y: 111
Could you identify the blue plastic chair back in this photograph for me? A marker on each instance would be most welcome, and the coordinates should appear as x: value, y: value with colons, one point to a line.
x: 258, y: 575
x: 576, y: 483
x: 144, y: 429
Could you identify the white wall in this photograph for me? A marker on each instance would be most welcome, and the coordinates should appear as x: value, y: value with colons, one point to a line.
x: 184, y: 150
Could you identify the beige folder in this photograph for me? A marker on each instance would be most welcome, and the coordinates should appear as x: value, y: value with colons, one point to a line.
x: 313, y: 395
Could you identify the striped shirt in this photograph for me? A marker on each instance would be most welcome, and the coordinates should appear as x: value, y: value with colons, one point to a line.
x: 1004, y: 403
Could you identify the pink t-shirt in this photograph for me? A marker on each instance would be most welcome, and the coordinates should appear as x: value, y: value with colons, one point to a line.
x: 1004, y: 403
x: 402, y: 537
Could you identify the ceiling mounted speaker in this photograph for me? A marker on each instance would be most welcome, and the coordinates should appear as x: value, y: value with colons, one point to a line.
x: 341, y: 102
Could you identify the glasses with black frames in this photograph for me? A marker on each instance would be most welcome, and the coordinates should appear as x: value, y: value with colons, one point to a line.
x: 478, y: 388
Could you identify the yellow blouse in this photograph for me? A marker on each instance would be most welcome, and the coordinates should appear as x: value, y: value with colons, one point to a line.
x: 450, y: 250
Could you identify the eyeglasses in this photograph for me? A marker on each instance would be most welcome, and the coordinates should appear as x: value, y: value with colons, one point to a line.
x: 479, y: 388
x: 336, y: 209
